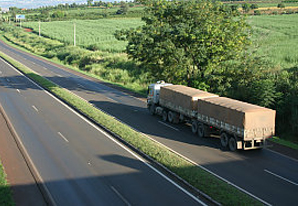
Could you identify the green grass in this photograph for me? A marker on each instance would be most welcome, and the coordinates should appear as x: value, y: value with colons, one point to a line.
x: 5, y: 191
x: 199, y: 178
x: 88, y: 32
x: 285, y: 143
x: 276, y: 38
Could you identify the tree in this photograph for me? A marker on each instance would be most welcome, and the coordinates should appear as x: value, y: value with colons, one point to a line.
x: 182, y: 41
x: 281, y: 6
x: 254, y: 6
x: 123, y: 8
x: 89, y: 2
x: 58, y: 14
x: 246, y: 7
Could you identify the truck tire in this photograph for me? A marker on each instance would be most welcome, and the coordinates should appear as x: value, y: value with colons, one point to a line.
x: 164, y: 116
x: 232, y: 144
x: 194, y: 126
x: 201, y: 130
x: 152, y: 109
x: 224, y: 139
x: 171, y: 116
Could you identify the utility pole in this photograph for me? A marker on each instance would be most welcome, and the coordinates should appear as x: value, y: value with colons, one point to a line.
x: 74, y: 34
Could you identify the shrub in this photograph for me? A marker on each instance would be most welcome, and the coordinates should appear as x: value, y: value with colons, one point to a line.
x: 281, y: 6
x: 257, y: 12
x: 254, y: 6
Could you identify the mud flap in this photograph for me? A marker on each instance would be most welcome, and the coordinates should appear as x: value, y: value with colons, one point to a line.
x: 239, y: 145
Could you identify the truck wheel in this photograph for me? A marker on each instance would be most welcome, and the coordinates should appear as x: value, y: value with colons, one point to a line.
x: 194, y: 126
x: 201, y: 130
x: 152, y: 109
x: 232, y: 144
x: 171, y: 116
x: 164, y: 115
x: 224, y: 139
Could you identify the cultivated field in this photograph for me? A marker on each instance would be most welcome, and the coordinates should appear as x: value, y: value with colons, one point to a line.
x: 276, y: 38
x: 88, y: 32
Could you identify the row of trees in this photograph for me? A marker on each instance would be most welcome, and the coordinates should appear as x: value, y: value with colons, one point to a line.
x: 61, y: 12
x: 204, y: 45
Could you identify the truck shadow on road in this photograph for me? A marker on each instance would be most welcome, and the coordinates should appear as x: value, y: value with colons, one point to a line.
x: 164, y: 132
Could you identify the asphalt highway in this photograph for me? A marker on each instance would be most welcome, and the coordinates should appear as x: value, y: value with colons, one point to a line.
x: 268, y: 176
x: 78, y: 163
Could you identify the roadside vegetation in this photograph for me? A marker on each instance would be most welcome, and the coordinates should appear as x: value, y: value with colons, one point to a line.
x: 215, y: 188
x: 264, y: 73
x: 5, y: 191
x: 90, y: 34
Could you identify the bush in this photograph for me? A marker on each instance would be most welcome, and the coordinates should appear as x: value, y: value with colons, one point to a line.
x: 257, y: 12
x: 281, y: 6
x: 254, y: 6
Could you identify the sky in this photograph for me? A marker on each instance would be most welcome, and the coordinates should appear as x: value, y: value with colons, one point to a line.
x: 37, y: 3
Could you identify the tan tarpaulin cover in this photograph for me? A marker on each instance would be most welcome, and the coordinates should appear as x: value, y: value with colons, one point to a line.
x: 237, y: 113
x: 183, y: 96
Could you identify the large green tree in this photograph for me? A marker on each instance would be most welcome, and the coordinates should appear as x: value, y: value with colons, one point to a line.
x: 182, y: 41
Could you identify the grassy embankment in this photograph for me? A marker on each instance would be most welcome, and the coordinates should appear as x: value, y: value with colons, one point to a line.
x: 5, y: 191
x: 196, y: 176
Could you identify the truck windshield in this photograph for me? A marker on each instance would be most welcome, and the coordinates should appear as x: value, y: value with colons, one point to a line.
x: 150, y: 91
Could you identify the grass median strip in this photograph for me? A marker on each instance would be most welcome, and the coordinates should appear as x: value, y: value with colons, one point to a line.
x: 199, y: 178
x: 5, y: 191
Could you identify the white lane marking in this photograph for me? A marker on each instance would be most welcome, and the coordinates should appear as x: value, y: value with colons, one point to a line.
x: 18, y: 91
x: 167, y: 125
x: 64, y: 138
x: 291, y: 158
x: 80, y: 85
x: 121, y: 197
x: 280, y: 177
x: 115, y: 141
x: 45, y: 68
x: 34, y: 108
x: 111, y: 99
x: 31, y: 163
x: 209, y: 171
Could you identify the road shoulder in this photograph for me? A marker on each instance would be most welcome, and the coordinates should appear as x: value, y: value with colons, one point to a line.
x: 24, y: 187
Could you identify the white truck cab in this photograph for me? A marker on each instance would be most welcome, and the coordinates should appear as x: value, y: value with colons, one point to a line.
x: 153, y: 92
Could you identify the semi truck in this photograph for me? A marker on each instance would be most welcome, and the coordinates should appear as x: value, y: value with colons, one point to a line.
x: 239, y: 125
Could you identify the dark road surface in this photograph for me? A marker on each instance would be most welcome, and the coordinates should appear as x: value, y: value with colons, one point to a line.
x: 268, y: 176
x: 78, y: 163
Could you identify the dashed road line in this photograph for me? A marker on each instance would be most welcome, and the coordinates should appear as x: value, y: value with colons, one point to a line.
x: 167, y: 125
x: 281, y: 177
x: 34, y: 108
x: 121, y: 196
x: 113, y: 100
x: 64, y: 138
